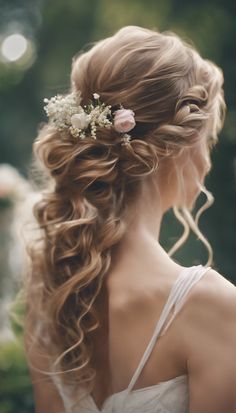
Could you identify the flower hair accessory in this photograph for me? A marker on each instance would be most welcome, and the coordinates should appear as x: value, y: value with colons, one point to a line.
x: 67, y: 114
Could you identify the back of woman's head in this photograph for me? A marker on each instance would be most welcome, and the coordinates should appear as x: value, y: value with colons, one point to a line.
x: 178, y: 100
x: 157, y: 75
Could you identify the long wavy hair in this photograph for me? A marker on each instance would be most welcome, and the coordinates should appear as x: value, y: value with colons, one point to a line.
x: 88, y: 185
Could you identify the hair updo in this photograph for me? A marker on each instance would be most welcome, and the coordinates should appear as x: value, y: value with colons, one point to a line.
x: 177, y: 98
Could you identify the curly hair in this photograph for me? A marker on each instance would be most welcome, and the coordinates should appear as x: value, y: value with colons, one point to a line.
x: 89, y: 185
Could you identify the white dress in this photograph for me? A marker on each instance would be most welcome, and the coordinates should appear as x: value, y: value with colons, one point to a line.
x: 169, y: 396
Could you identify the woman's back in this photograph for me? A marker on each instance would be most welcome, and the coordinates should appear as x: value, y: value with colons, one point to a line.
x: 135, y: 301
x: 157, y: 373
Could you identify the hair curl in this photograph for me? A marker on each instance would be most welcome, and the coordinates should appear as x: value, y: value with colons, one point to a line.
x: 177, y: 98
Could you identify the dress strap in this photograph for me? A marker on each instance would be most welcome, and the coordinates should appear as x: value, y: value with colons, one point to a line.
x: 180, y: 288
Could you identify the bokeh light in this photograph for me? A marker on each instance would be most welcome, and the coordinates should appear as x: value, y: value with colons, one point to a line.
x: 14, y: 47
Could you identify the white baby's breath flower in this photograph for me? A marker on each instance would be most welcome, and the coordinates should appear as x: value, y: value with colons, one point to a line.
x: 74, y: 131
x: 126, y: 138
x: 60, y: 109
x: 95, y: 112
x: 103, y: 119
x: 82, y: 135
x: 96, y: 96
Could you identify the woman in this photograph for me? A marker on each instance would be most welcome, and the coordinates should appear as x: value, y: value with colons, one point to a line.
x: 114, y: 323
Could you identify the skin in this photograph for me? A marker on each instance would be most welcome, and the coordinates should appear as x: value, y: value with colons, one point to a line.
x: 200, y: 342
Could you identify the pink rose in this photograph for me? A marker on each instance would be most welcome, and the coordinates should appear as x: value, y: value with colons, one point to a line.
x: 124, y: 120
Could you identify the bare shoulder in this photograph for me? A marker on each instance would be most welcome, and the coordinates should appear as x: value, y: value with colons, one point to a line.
x: 211, y: 344
x: 213, y: 283
x: 214, y: 296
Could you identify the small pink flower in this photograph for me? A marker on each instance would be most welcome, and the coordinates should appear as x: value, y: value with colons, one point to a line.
x: 124, y: 120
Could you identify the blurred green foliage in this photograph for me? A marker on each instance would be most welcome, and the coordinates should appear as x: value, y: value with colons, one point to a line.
x: 16, y: 388
x: 17, y: 311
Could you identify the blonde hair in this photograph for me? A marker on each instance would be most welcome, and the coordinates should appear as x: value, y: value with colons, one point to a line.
x: 178, y: 99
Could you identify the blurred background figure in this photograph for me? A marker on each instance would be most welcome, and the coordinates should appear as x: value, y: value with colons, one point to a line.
x: 13, y: 189
x: 37, y: 42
